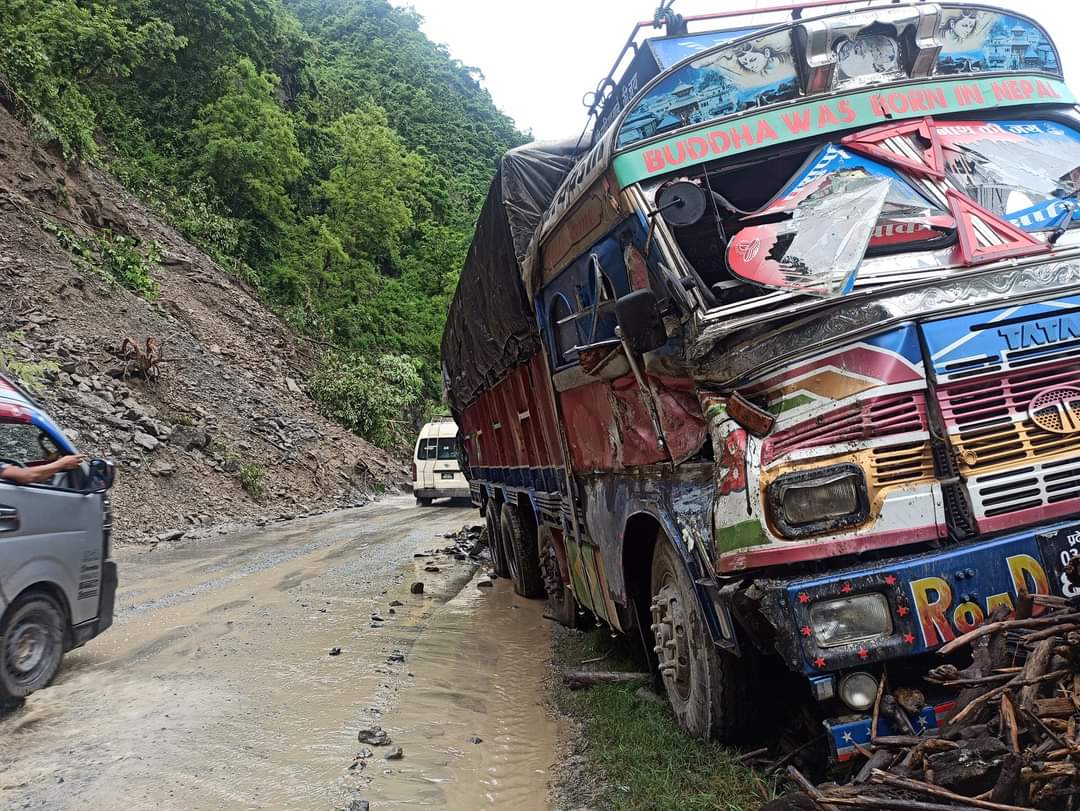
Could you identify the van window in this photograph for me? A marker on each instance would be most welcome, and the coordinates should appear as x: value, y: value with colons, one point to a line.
x: 426, y: 449
x: 26, y: 444
x: 448, y: 448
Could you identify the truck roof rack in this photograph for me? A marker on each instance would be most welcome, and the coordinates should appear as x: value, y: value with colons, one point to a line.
x: 675, y: 24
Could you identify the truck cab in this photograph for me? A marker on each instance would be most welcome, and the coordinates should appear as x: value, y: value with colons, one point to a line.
x: 57, y: 578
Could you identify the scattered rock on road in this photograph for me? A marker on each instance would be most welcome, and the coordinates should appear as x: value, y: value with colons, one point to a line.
x: 357, y: 804
x: 373, y: 736
x: 397, y: 753
x: 416, y: 588
x: 335, y: 651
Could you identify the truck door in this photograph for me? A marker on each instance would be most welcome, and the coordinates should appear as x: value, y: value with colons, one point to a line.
x: 48, y: 532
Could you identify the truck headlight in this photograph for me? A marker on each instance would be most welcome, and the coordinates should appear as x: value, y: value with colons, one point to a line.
x: 824, y: 499
x: 858, y: 690
x: 850, y: 619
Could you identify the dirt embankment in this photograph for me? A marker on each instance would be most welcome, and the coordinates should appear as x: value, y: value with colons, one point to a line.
x: 228, y: 399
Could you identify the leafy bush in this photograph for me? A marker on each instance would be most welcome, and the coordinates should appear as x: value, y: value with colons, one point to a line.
x: 251, y: 479
x: 30, y: 374
x: 121, y: 260
x: 371, y: 394
x: 115, y: 258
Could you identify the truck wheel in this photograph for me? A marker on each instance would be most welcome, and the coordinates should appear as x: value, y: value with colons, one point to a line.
x: 522, y: 554
x: 31, y: 644
x: 561, y: 603
x: 708, y: 689
x: 495, y: 545
x: 423, y: 501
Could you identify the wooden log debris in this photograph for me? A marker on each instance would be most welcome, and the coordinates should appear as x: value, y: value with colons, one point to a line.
x: 576, y: 679
x: 1014, y: 742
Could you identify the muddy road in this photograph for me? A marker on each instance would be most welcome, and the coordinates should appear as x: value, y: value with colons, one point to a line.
x: 215, y: 687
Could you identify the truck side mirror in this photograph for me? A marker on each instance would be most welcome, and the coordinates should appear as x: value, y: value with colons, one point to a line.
x: 639, y: 322
x: 102, y: 474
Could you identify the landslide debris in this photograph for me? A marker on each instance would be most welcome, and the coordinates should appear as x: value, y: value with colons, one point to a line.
x: 197, y: 394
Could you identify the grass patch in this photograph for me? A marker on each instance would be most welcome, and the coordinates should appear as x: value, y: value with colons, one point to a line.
x: 251, y: 479
x: 646, y: 760
x: 114, y: 258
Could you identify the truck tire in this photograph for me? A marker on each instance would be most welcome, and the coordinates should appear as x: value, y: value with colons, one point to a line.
x: 495, y: 544
x: 522, y: 553
x: 31, y: 645
x: 709, y: 690
x: 561, y: 603
x: 423, y: 501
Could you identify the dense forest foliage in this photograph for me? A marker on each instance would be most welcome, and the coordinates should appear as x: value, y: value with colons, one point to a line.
x: 324, y: 150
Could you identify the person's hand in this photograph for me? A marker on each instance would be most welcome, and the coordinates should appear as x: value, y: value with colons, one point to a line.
x: 70, y: 462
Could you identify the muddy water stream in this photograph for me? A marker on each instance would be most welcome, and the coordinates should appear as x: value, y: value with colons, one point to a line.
x: 215, y: 688
x: 476, y: 668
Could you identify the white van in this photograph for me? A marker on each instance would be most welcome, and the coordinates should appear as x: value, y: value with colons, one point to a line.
x: 436, y: 471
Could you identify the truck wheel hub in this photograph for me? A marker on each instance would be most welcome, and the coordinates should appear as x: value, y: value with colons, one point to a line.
x: 670, y: 631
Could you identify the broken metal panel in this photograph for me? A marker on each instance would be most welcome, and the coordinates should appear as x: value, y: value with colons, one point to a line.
x: 680, y: 501
x: 857, y: 408
x: 728, y: 359
x: 609, y: 427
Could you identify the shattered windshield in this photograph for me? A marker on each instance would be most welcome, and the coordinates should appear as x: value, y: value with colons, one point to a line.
x: 1025, y: 171
x: 885, y: 204
x: 839, y: 209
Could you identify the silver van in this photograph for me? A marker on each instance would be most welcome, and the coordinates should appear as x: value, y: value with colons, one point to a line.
x: 57, y: 579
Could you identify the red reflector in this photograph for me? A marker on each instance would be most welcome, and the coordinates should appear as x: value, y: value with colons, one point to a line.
x: 970, y: 216
x: 927, y: 161
x: 755, y: 420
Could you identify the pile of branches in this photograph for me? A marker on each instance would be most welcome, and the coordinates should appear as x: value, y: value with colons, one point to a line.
x: 1011, y: 743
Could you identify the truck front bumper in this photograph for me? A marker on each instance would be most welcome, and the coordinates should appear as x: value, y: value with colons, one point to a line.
x: 931, y: 599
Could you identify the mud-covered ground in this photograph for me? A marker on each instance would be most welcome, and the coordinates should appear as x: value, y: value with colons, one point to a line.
x: 216, y: 688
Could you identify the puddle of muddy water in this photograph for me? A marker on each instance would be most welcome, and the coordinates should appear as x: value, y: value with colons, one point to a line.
x: 215, y: 689
x: 477, y: 673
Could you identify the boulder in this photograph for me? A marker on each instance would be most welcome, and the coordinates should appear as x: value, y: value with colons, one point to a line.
x: 145, y: 441
x: 190, y: 438
x: 162, y: 469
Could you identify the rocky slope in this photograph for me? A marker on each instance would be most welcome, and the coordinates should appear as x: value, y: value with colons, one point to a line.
x: 227, y: 402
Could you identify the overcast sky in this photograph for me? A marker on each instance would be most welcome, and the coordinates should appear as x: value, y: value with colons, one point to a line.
x: 540, y: 57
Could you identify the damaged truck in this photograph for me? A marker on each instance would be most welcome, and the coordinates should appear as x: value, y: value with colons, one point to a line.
x: 777, y: 367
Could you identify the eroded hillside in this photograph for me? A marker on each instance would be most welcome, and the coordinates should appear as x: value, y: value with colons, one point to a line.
x: 223, y: 431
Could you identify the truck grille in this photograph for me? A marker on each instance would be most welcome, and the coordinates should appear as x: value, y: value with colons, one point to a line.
x: 901, y: 464
x: 1011, y: 463
x: 879, y: 417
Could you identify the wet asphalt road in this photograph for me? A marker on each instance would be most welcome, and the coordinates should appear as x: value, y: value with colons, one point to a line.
x: 215, y: 687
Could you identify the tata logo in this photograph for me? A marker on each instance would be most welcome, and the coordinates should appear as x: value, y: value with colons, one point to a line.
x: 1056, y: 409
x: 1041, y: 331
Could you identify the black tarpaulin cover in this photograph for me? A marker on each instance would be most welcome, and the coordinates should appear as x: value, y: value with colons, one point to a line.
x: 491, y: 327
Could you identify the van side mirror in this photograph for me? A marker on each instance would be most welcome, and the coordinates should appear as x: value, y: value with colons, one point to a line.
x: 102, y: 474
x: 640, y: 325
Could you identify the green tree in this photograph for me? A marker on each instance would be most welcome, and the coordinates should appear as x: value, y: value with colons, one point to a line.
x: 248, y: 146
x: 375, y: 192
x: 55, y: 53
